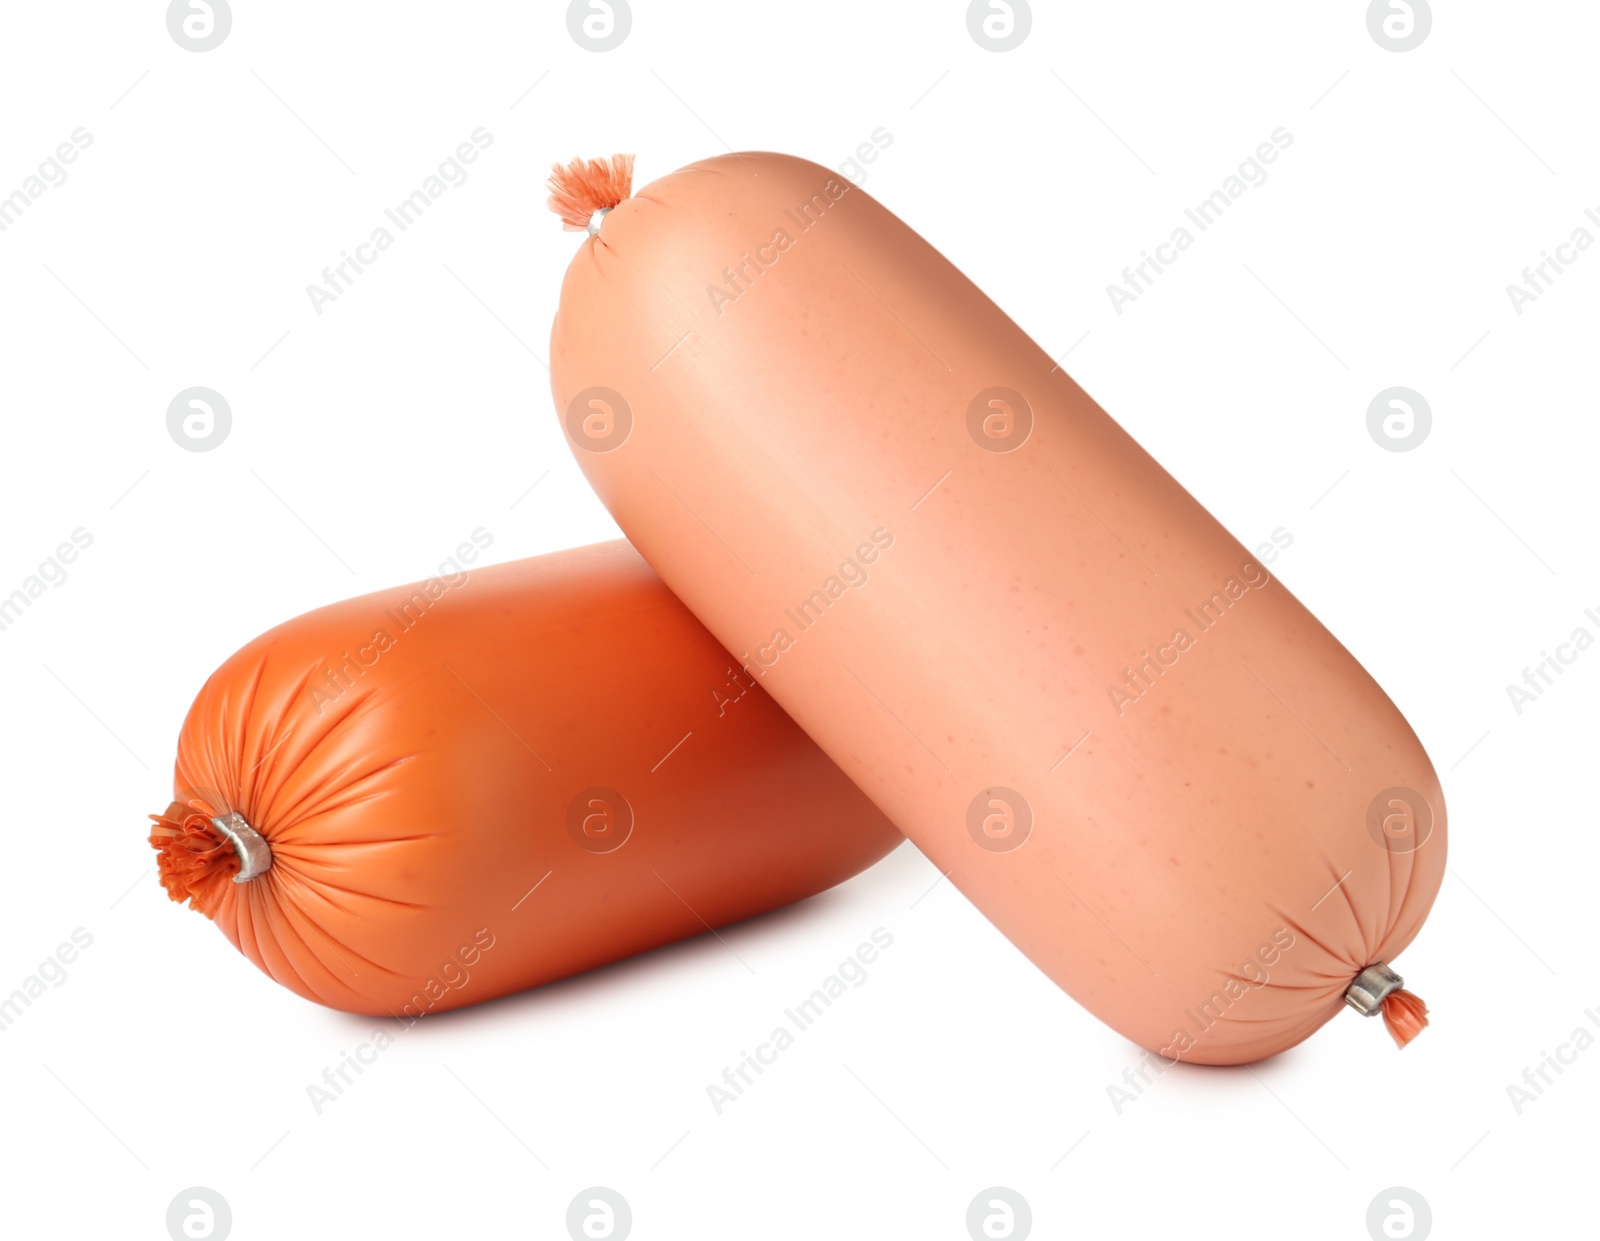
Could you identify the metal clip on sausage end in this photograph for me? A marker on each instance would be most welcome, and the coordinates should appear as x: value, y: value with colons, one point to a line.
x: 1372, y: 985
x: 255, y: 855
x: 1378, y: 989
x: 594, y: 220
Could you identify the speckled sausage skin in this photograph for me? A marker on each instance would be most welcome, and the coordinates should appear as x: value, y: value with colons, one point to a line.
x: 1132, y: 748
x: 497, y: 778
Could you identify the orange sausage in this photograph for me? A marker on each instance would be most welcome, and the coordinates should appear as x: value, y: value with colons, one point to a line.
x: 494, y: 779
x: 1137, y: 753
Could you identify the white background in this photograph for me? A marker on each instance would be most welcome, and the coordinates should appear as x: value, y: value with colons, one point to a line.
x: 369, y: 440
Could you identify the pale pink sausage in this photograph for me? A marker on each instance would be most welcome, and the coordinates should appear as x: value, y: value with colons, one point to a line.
x: 1133, y: 749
